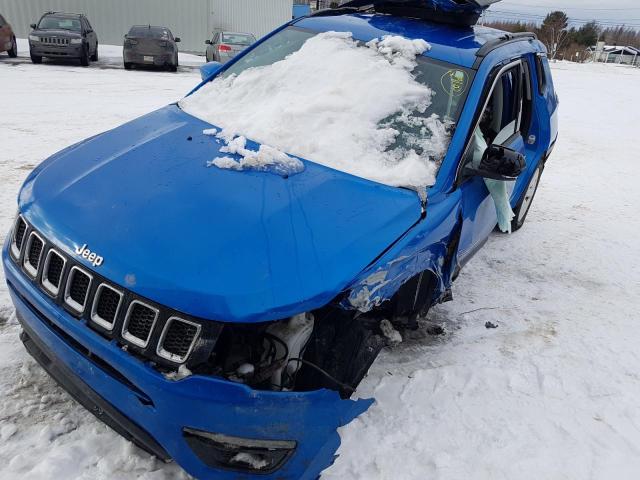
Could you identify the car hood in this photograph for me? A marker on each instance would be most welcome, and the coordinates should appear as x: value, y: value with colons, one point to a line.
x: 56, y: 32
x: 217, y: 244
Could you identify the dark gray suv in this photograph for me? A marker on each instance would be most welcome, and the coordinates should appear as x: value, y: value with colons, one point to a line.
x: 63, y: 35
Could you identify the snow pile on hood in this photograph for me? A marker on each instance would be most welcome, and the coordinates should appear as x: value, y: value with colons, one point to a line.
x: 266, y: 158
x: 336, y: 103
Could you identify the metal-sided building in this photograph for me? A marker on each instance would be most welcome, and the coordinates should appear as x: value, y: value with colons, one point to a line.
x: 192, y: 20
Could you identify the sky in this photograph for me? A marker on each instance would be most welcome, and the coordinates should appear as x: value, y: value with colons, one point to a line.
x: 611, y: 12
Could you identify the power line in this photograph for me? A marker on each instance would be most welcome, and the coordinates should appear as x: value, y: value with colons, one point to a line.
x: 578, y: 8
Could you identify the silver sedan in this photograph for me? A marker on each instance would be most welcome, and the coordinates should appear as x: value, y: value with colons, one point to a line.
x: 226, y: 45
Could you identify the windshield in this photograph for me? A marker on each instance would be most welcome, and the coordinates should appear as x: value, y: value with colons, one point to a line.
x: 379, y: 110
x: 449, y: 82
x: 237, y: 39
x: 51, y: 22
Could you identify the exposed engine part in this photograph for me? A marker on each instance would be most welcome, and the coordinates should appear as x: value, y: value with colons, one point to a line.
x: 293, y: 335
x: 390, y: 332
x: 245, y: 370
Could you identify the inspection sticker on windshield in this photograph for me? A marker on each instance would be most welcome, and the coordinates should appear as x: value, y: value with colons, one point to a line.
x: 454, y: 82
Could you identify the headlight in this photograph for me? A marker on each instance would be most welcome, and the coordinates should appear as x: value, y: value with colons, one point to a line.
x: 75, y: 41
x: 34, y: 38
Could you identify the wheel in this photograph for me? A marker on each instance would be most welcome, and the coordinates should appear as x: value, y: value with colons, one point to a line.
x: 173, y: 68
x: 524, y: 205
x: 84, y: 59
x: 36, y: 59
x: 94, y: 57
x: 127, y: 66
x: 13, y: 51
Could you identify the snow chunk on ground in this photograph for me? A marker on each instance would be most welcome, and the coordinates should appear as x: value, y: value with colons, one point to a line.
x: 265, y: 159
x: 346, y: 117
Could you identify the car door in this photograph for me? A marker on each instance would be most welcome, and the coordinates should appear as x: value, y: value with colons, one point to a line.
x: 5, y: 38
x: 92, y: 38
x: 500, y: 121
x: 213, y: 48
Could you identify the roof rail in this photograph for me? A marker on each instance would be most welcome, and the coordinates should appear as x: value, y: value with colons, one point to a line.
x: 330, y: 12
x: 502, y: 40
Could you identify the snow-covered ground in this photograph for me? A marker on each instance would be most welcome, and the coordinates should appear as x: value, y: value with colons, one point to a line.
x: 553, y: 392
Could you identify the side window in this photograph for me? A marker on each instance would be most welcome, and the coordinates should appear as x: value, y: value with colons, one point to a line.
x: 215, y: 38
x: 507, y: 112
x: 500, y: 120
x: 540, y: 73
x: 3, y: 22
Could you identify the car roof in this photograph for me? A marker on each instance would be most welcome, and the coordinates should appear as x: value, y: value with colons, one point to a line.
x: 236, y: 33
x: 149, y: 26
x: 449, y: 43
x: 64, y: 14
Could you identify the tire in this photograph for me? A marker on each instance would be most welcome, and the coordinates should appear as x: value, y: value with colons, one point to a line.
x: 84, y: 59
x: 174, y: 67
x: 524, y: 204
x: 127, y: 66
x: 36, y: 59
x: 94, y: 57
x: 13, y: 51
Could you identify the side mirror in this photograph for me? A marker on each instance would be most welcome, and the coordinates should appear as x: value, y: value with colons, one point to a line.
x: 208, y: 70
x: 500, y: 163
x: 33, y: 26
x: 207, y: 42
x: 177, y: 39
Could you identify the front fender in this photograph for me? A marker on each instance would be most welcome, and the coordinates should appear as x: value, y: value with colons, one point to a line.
x: 425, y: 247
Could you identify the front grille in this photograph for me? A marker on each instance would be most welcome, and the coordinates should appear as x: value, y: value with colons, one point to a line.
x: 139, y: 322
x: 54, y: 41
x: 166, y: 337
x: 52, y: 272
x: 35, y: 244
x: 106, y: 305
x: 77, y: 291
x: 19, y: 230
x: 177, y: 339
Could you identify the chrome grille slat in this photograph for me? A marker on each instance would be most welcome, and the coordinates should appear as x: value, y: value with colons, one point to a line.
x: 33, y: 254
x: 17, y: 236
x: 77, y: 289
x: 53, y: 271
x: 139, y: 323
x: 106, y: 306
x: 178, y: 339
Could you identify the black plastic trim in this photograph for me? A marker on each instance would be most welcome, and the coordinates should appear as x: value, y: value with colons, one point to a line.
x: 501, y: 41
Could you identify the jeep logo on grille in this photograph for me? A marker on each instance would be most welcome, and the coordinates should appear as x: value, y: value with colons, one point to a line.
x: 93, y: 257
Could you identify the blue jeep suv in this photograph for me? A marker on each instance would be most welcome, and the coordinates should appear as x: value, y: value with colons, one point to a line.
x: 223, y: 319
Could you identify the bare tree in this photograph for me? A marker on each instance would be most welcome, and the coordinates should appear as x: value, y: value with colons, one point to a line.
x: 553, y: 32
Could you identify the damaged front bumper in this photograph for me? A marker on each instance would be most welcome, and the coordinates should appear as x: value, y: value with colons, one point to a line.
x: 212, y: 427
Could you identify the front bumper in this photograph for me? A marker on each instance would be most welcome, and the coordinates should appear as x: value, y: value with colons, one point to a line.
x: 55, y: 51
x: 140, y: 403
x: 160, y: 60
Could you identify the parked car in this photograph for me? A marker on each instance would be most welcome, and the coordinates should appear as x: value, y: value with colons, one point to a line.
x: 223, y: 318
x: 226, y: 45
x: 151, y: 46
x: 63, y: 35
x: 7, y: 39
